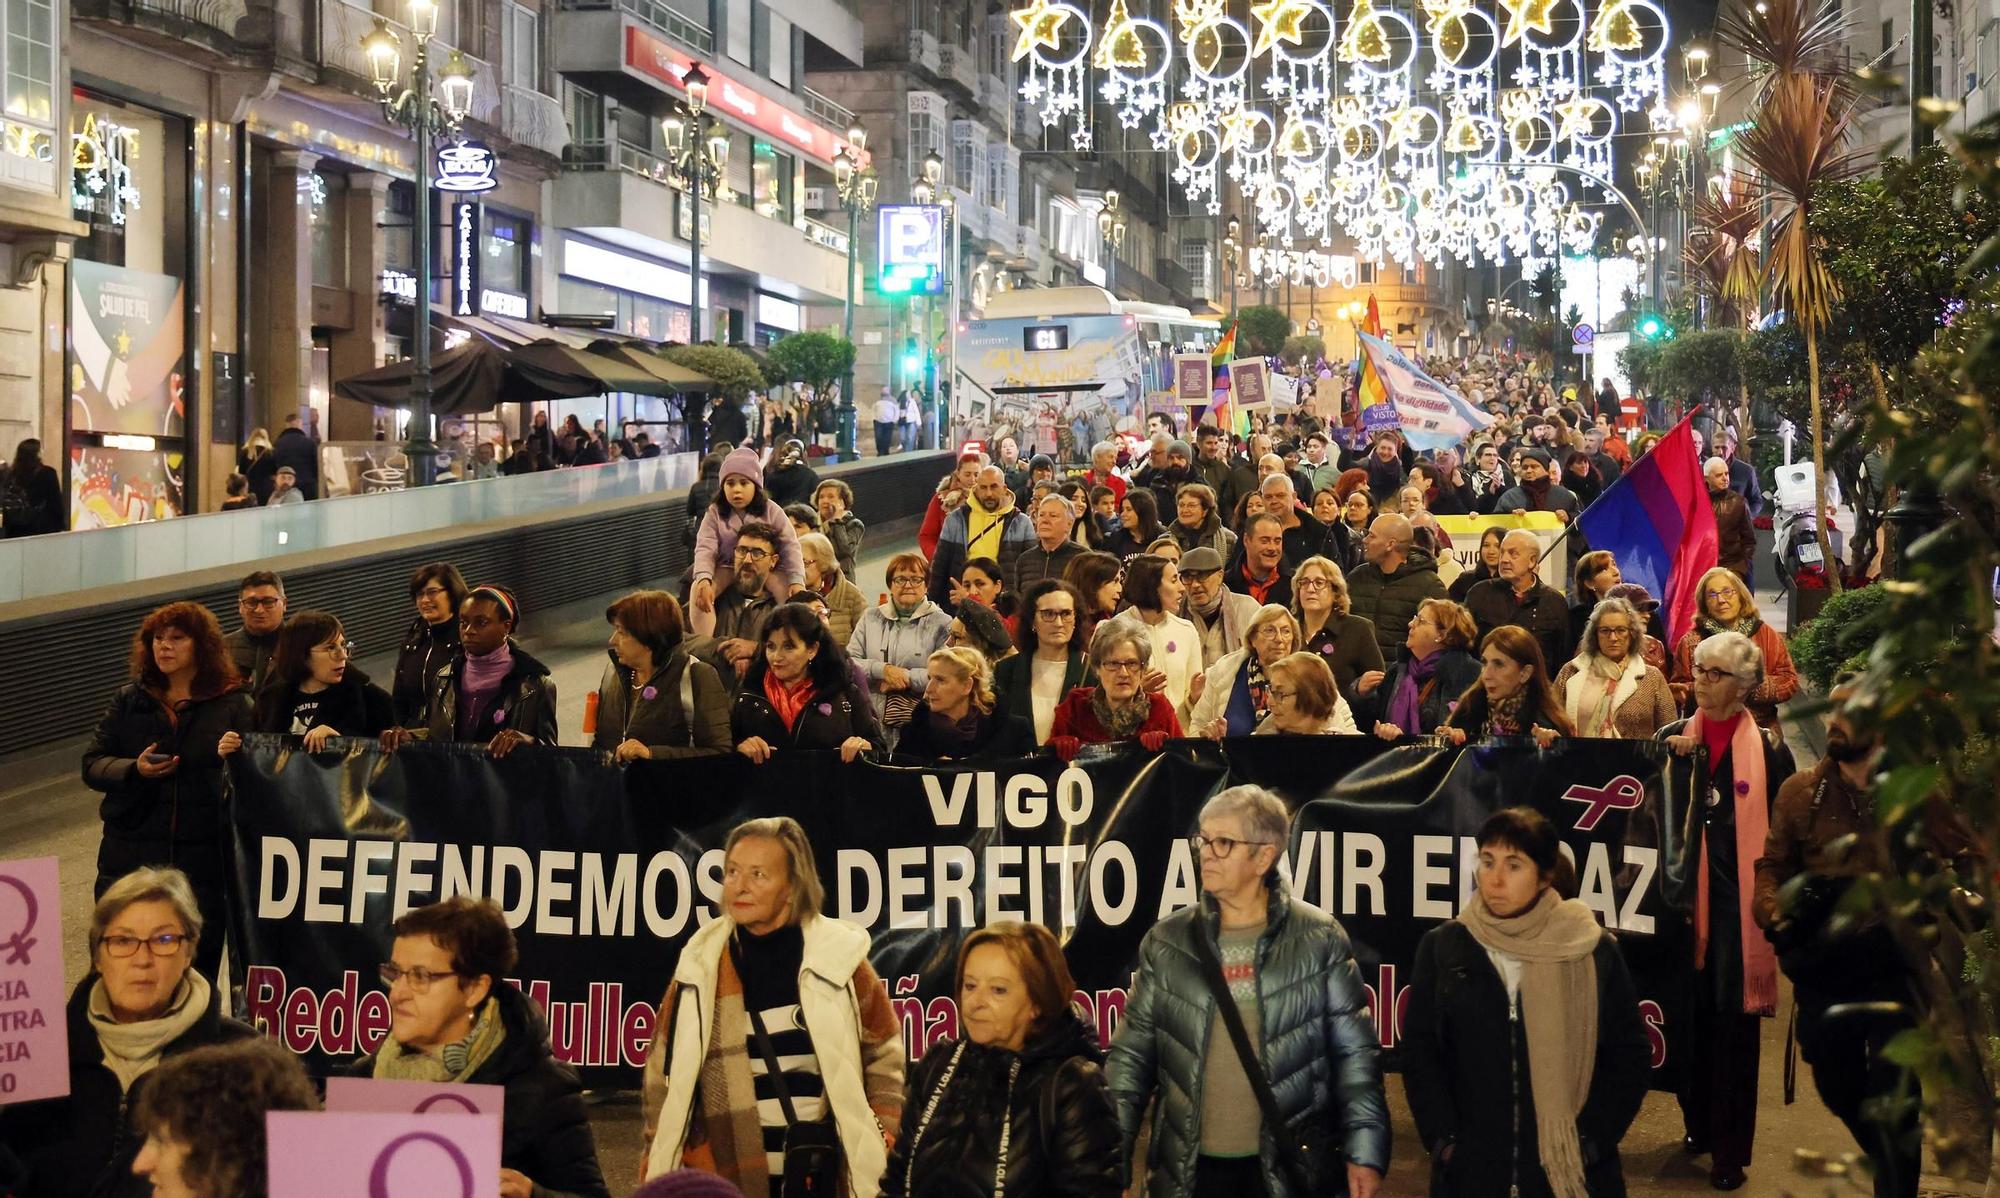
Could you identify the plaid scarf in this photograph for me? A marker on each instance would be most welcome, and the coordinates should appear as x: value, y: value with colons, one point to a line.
x: 727, y: 1139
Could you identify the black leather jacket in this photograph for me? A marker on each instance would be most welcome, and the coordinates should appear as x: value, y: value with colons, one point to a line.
x: 427, y: 648
x: 184, y: 807
x: 527, y: 702
x: 1062, y: 1136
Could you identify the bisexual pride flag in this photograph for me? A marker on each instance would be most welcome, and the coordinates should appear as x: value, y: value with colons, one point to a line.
x: 1657, y: 522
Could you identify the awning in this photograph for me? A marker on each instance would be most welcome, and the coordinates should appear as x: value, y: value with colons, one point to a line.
x: 611, y: 374
x: 672, y: 373
x: 477, y: 376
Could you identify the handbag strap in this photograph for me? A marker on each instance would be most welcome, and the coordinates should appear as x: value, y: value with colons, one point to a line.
x: 687, y: 697
x: 1239, y: 1038
x: 763, y: 1038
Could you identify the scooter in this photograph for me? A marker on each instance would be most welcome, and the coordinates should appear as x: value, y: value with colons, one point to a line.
x: 1795, y: 532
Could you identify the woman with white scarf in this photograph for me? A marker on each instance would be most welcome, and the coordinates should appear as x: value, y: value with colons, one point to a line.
x: 142, y: 1003
x: 1608, y: 690
x: 1524, y: 1057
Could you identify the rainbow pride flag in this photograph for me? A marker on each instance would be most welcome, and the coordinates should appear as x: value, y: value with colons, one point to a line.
x: 1222, y: 412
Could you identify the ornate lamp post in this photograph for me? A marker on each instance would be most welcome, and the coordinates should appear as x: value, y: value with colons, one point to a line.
x: 925, y: 189
x: 697, y: 148
x: 1111, y: 233
x: 1232, y: 260
x: 428, y: 118
x: 857, y: 195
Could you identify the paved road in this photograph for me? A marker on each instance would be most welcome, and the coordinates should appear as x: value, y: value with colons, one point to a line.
x: 45, y: 810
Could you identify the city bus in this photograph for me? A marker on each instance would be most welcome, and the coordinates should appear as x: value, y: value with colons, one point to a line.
x: 1064, y: 366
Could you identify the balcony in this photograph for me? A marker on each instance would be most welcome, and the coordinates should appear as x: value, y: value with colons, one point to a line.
x: 924, y: 51
x: 826, y: 111
x: 342, y: 25
x: 959, y: 66
x: 676, y: 26
x: 1175, y: 278
x: 213, y: 24
x: 529, y: 118
x: 619, y: 192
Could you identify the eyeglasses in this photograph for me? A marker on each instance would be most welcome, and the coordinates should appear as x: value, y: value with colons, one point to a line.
x: 256, y: 604
x: 1614, y: 632
x: 433, y: 591
x: 1131, y: 666
x: 1727, y: 593
x: 1281, y: 692
x: 1709, y: 674
x: 1056, y: 616
x: 1220, y: 847
x: 908, y: 580
x: 750, y: 553
x: 419, y: 978
x: 344, y: 651
x: 1309, y: 583
x: 1274, y: 632
x: 166, y: 944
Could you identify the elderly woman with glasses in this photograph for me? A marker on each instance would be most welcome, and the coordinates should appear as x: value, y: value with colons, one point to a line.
x: 1236, y: 697
x: 1415, y: 696
x: 1608, y: 690
x: 315, y: 690
x: 1051, y: 663
x: 454, y: 1017
x: 1119, y: 707
x: 142, y: 1003
x: 1735, y: 968
x: 1728, y: 606
x: 1305, y: 701
x: 892, y: 641
x: 1253, y: 957
x: 1328, y: 626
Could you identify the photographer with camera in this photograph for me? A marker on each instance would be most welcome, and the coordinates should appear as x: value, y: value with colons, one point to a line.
x: 1824, y: 835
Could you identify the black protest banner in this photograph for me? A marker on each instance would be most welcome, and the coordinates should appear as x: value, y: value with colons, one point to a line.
x: 604, y: 872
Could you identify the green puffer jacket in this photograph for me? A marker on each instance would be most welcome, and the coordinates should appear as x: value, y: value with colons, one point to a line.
x: 1315, y: 1038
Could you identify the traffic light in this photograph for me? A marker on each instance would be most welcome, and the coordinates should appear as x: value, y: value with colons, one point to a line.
x: 1652, y: 328
x: 913, y: 358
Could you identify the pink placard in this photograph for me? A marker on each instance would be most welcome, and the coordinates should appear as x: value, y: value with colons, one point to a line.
x: 315, y: 1153
x: 34, y: 1032
x: 368, y: 1095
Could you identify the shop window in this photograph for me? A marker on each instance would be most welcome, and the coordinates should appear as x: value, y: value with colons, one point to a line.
x: 507, y: 247
x: 399, y: 226
x: 324, y: 197
x: 772, y: 178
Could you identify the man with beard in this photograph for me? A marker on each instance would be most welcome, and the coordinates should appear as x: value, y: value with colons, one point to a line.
x: 985, y: 525
x: 1169, y: 468
x: 1537, y: 490
x: 1823, y: 835
x: 740, y: 610
x: 1735, y: 536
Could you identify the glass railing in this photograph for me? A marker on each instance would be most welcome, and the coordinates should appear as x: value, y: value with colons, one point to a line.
x: 37, y: 567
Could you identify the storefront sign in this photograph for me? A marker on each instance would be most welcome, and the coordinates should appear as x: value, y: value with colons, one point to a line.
x: 503, y: 303
x: 651, y: 57
x: 778, y: 313
x: 822, y: 235
x: 400, y: 285
x: 911, y: 245
x: 465, y: 258
x: 468, y: 166
x: 609, y: 268
x: 35, y: 1063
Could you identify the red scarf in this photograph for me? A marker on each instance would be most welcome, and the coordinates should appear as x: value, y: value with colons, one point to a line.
x: 1259, y: 590
x: 1746, y: 766
x: 790, y: 701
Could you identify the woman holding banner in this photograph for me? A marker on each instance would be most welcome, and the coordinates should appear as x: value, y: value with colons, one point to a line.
x: 315, y: 691
x: 1524, y: 984
x: 1513, y: 696
x: 656, y: 702
x: 1415, y: 696
x: 800, y: 693
x: 142, y: 1003
x: 1250, y: 965
x: 1119, y: 707
x: 1609, y: 690
x: 1236, y: 698
x: 1019, y: 1105
x: 1305, y: 701
x: 773, y: 981
x: 956, y: 720
x: 1736, y: 969
x: 454, y: 1017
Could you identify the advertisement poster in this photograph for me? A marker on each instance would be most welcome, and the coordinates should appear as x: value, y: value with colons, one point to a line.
x: 1098, y: 362
x: 127, y: 377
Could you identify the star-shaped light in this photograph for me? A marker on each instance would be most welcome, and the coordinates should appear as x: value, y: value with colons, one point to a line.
x: 1279, y: 20
x: 1578, y: 114
x: 1040, y: 23
x: 1525, y: 16
x: 1236, y: 127
x: 1120, y: 46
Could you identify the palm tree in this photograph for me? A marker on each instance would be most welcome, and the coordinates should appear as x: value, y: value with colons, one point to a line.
x: 1803, y: 109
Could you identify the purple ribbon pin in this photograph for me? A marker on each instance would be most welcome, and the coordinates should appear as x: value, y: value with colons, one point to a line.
x: 826, y: 709
x: 499, y: 715
x: 650, y: 693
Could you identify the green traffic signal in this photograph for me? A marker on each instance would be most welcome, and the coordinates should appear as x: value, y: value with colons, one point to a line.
x: 1652, y: 328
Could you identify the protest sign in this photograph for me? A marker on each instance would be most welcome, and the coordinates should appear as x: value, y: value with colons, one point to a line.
x: 1465, y: 532
x: 34, y: 1027
x: 371, y: 1095
x: 317, y: 1153
x: 605, y: 872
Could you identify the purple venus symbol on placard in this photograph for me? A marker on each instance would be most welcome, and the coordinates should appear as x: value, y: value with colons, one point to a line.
x: 458, y: 1099
x: 16, y: 946
x: 378, y: 1176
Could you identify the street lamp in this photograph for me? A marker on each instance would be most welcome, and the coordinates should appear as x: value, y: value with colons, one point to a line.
x: 697, y: 149
x: 1111, y: 233
x: 925, y: 189
x: 427, y: 119
x: 855, y: 184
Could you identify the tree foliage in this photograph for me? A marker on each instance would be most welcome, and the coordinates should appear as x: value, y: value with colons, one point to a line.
x: 816, y: 359
x: 1261, y: 329
x: 1302, y: 349
x: 735, y: 372
x: 1701, y: 368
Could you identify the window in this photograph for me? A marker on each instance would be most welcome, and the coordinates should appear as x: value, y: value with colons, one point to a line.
x: 1888, y: 36
x: 738, y: 23
x: 1199, y: 263
x: 1410, y: 278
x: 30, y: 61
x: 771, y: 179
x: 927, y: 125
x: 996, y: 176
x: 523, y: 64
x: 325, y: 207
x: 967, y: 150
x: 1367, y: 274
x: 506, y: 265
x: 585, y: 110
x: 781, y: 51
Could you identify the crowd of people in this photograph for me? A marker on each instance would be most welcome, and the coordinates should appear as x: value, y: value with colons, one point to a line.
x: 1226, y: 588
